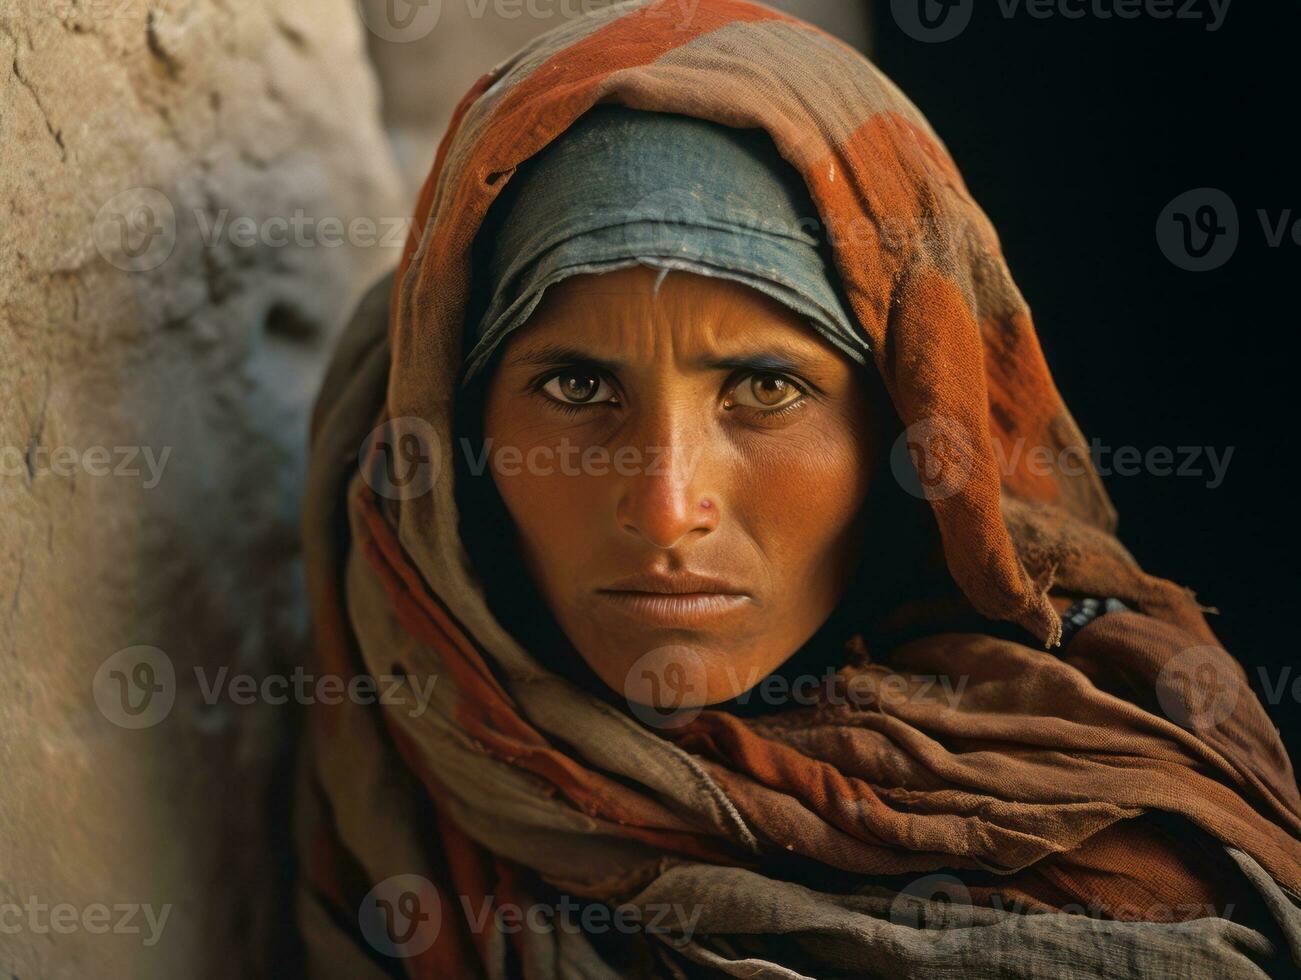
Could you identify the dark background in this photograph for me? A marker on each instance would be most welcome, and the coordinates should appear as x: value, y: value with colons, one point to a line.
x: 1074, y: 135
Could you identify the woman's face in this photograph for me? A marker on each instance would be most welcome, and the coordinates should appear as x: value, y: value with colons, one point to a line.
x: 686, y: 470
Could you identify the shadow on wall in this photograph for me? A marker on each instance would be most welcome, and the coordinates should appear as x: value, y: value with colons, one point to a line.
x: 427, y: 54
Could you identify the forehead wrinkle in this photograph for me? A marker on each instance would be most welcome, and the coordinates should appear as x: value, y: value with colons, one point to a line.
x: 619, y: 319
x: 691, y: 323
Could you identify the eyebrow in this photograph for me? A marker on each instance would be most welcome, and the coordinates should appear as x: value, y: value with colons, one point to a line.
x: 555, y: 354
x: 774, y: 359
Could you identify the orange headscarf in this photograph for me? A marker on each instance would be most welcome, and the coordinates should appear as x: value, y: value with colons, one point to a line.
x: 1045, y: 774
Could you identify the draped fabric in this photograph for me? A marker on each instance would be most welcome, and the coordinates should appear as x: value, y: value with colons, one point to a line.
x: 624, y: 187
x: 1118, y: 805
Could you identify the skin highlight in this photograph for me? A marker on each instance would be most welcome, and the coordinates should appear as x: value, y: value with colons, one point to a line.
x: 691, y: 461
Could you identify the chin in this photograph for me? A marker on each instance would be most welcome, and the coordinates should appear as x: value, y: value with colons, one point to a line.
x: 681, y: 670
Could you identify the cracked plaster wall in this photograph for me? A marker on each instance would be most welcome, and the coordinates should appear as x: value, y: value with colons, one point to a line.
x: 138, y: 314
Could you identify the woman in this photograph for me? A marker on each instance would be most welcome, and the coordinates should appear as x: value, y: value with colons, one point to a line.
x: 721, y: 617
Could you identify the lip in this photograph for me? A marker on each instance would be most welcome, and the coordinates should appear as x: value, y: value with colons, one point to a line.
x: 675, y: 599
x: 674, y: 583
x: 683, y: 610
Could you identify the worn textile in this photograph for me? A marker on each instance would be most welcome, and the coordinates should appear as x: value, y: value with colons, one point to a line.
x: 802, y: 838
x: 668, y: 191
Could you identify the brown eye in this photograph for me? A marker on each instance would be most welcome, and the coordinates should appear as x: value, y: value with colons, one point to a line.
x: 769, y: 390
x: 766, y: 391
x: 578, y: 388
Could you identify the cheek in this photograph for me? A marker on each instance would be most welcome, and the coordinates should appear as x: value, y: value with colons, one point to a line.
x: 802, y: 497
x: 546, y: 507
x: 551, y: 503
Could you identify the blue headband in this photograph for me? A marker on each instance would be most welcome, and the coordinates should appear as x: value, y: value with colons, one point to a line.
x: 623, y: 187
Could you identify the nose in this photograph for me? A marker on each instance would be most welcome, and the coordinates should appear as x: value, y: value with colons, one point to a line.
x: 665, y: 496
